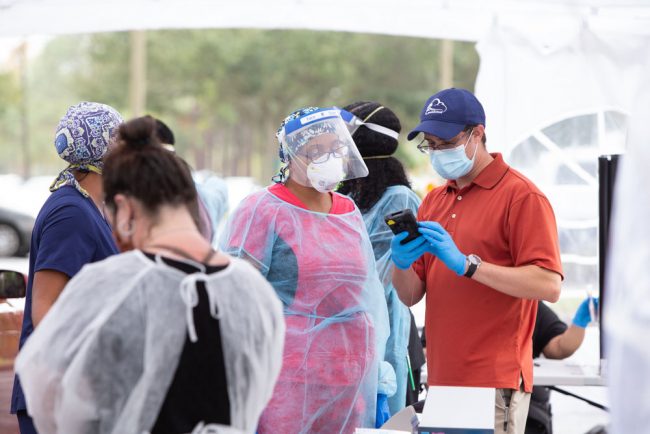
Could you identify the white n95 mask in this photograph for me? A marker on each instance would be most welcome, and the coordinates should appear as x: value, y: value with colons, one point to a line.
x: 325, y: 176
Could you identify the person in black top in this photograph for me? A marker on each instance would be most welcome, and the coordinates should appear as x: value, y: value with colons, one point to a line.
x: 555, y: 340
x: 196, y: 393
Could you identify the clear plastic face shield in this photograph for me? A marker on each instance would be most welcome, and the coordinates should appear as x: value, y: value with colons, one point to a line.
x: 320, y: 151
x: 353, y: 123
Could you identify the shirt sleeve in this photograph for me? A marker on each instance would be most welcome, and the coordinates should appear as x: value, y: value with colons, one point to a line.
x: 547, y: 326
x: 66, y: 242
x: 533, y: 233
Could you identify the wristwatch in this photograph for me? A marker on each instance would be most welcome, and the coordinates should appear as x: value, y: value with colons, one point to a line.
x: 473, y: 262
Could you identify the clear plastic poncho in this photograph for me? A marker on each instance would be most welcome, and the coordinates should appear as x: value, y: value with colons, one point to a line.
x: 395, y: 198
x: 322, y: 268
x: 102, y: 359
x: 320, y: 151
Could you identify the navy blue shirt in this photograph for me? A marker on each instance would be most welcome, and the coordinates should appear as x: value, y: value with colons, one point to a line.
x: 69, y: 232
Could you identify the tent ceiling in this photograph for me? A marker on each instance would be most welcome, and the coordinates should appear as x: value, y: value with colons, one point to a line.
x: 466, y: 20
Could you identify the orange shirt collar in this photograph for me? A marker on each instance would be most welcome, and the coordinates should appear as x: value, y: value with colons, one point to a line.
x: 489, y: 177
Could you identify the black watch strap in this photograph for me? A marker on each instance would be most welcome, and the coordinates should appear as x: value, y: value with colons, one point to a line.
x: 474, y: 262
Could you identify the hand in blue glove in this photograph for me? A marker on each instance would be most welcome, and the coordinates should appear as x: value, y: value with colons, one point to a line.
x: 583, y: 317
x: 404, y: 255
x: 443, y: 246
x: 383, y: 413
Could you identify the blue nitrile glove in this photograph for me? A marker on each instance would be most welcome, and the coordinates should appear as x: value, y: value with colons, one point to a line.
x: 583, y: 317
x: 404, y: 255
x: 383, y: 413
x: 443, y: 246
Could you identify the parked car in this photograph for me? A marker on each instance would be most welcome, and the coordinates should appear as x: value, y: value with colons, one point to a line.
x: 12, y: 302
x: 15, y: 232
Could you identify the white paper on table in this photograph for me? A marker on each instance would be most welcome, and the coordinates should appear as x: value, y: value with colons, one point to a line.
x: 459, y: 407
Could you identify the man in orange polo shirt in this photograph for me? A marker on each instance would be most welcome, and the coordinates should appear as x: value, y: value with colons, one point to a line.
x: 488, y: 251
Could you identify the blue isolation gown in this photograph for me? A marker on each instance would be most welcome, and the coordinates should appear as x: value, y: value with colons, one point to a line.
x: 395, y: 198
x: 213, y: 204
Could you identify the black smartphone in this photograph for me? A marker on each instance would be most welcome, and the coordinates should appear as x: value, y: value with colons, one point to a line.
x: 403, y: 221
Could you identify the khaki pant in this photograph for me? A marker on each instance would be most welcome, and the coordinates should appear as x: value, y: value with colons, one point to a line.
x: 517, y: 411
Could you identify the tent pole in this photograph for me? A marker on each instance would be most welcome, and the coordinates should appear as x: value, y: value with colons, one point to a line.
x: 138, y: 73
x: 24, y: 109
x: 446, y: 64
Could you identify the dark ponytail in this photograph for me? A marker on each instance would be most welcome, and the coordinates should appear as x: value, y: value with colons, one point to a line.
x: 138, y: 134
x: 138, y: 166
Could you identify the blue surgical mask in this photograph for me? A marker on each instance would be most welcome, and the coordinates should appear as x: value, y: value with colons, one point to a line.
x: 453, y: 163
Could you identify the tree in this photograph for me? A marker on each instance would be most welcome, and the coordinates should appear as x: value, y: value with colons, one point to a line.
x: 225, y: 92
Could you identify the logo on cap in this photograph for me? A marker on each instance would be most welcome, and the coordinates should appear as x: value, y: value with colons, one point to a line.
x: 435, y: 106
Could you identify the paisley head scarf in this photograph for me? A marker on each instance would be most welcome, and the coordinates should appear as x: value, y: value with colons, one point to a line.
x: 82, y: 138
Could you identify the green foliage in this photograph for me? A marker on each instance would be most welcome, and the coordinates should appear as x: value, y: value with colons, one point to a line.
x: 9, y: 117
x: 9, y: 92
x: 224, y: 92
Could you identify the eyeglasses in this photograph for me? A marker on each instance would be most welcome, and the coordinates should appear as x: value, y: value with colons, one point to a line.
x: 427, y: 147
x: 317, y: 155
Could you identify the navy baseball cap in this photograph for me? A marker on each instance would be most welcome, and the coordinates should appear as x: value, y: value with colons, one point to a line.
x: 446, y: 114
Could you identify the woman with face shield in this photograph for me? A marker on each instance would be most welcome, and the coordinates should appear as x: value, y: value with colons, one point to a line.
x: 312, y: 246
x: 167, y: 337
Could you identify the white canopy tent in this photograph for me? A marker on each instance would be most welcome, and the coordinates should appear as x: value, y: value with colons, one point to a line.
x: 465, y: 20
x: 554, y: 102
